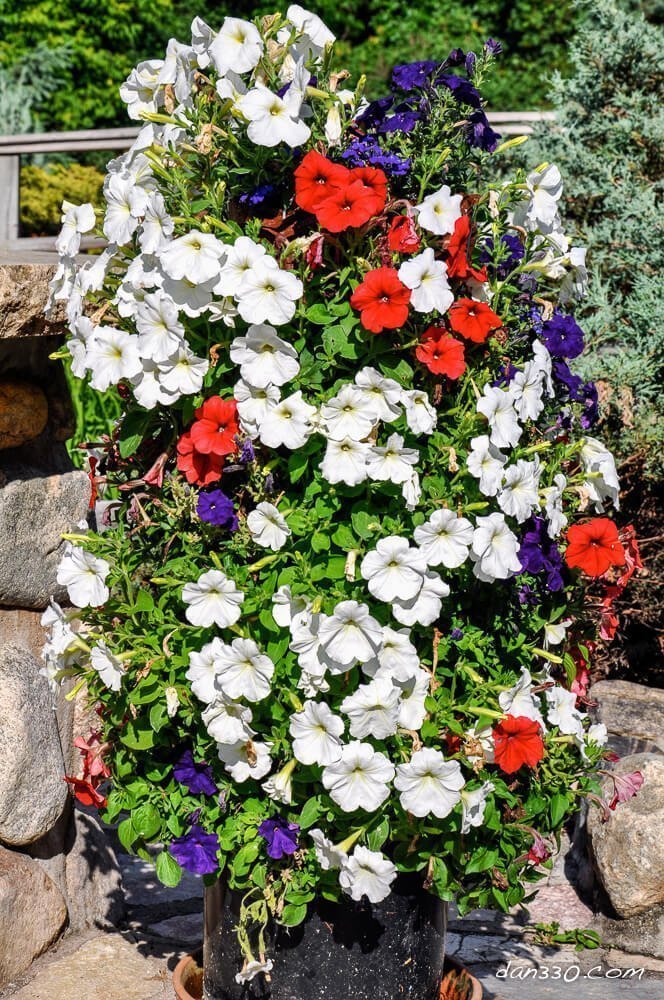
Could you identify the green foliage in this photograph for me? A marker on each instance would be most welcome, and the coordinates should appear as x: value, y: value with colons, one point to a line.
x: 607, y: 143
x: 43, y: 189
x: 28, y: 84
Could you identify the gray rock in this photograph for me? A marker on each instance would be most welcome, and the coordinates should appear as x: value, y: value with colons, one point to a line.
x: 23, y: 297
x: 626, y: 851
x: 632, y: 713
x: 33, y: 793
x: 642, y: 935
x: 185, y: 929
x: 142, y: 888
x: 32, y: 913
x: 35, y: 510
x: 92, y: 876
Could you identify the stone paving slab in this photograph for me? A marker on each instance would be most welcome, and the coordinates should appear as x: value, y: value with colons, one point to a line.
x: 581, y: 988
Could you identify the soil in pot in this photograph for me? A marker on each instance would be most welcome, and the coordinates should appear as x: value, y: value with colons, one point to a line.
x: 393, y: 949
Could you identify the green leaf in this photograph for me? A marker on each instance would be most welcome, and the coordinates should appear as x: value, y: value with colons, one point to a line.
x: 158, y: 716
x: 558, y: 807
x: 146, y: 821
x: 127, y: 835
x: 481, y: 861
x: 312, y: 810
x: 297, y: 465
x: 344, y: 538
x: 319, y: 315
x: 138, y: 735
x: 293, y: 915
x: 320, y: 542
x: 132, y: 431
x: 144, y: 601
x: 168, y: 870
x: 377, y: 837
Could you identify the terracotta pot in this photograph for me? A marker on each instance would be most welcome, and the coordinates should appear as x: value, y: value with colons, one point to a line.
x: 458, y: 984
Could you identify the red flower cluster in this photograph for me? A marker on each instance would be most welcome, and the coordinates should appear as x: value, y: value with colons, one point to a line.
x: 473, y: 320
x: 94, y: 772
x: 517, y: 741
x: 402, y: 236
x: 441, y: 353
x: 382, y: 300
x: 339, y: 198
x: 594, y: 547
x: 609, y: 620
x: 212, y: 436
x: 458, y: 248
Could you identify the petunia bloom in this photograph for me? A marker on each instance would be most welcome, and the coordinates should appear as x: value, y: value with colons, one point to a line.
x: 214, y: 430
x: 196, y: 851
x: 317, y: 178
x: 280, y: 836
x: 195, y: 775
x: 217, y: 509
x: 473, y: 320
x: 458, y: 249
x: 517, y: 741
x: 86, y: 793
x: 382, y: 300
x: 594, y: 547
x: 346, y: 208
x: 402, y: 236
x: 198, y: 469
x: 441, y: 353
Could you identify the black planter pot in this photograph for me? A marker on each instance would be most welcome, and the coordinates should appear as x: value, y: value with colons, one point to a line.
x: 352, y: 951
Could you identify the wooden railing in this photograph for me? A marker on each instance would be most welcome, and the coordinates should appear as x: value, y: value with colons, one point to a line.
x: 14, y: 248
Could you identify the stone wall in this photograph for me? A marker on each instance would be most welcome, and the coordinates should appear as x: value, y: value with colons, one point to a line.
x: 57, y: 871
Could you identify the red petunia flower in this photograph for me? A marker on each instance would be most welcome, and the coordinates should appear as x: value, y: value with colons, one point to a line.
x: 517, y: 741
x: 316, y: 178
x: 402, y: 236
x: 441, y: 353
x: 199, y: 470
x: 594, y: 546
x: 458, y: 248
x: 473, y: 320
x: 213, y: 432
x: 382, y: 300
x: 85, y: 793
x: 347, y: 207
x: 374, y: 182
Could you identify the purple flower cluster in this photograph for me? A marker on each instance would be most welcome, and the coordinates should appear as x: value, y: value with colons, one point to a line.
x: 262, y: 200
x: 280, y: 837
x: 562, y: 336
x: 195, y: 775
x: 196, y: 851
x: 216, y: 508
x: 509, y: 254
x: 367, y: 152
x: 579, y: 392
x: 540, y: 554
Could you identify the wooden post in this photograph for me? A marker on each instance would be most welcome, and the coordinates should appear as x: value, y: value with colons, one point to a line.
x: 10, y: 167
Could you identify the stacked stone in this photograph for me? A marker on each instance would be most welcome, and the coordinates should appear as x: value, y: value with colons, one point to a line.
x: 56, y: 869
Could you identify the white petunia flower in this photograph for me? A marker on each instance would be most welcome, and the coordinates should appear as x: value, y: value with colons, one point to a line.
x: 519, y: 494
x: 350, y: 634
x: 599, y: 465
x: 421, y: 417
x: 367, y: 873
x: 429, y: 784
x: 597, y: 733
x: 392, y: 462
x: 473, y: 805
x: 228, y: 722
x: 203, y: 672
x: 497, y: 405
x: 425, y: 607
x: 478, y: 744
x: 359, y: 779
x: 237, y: 47
x: 373, y: 709
x: 397, y: 657
x: 192, y: 298
x: 243, y: 671
x: 348, y: 414
x: 345, y: 461
x: 486, y: 463
x: 274, y: 119
x: 140, y: 91
x: 563, y: 713
x: 182, y: 372
x: 84, y: 576
x: 157, y: 225
x: 444, y: 539
x: 494, y: 549
x: 268, y: 527
x: 253, y: 968
x: 253, y: 404
x: 241, y: 258
x: 555, y: 632
x: 172, y: 701
x: 553, y: 505
x: 212, y: 600
x: 279, y: 786
x: 314, y: 33
x: 264, y: 358
x: 519, y: 699
x: 160, y: 332
x: 108, y: 667
x: 112, y: 355
x: 288, y: 423
x: 394, y: 570
x: 439, y: 211
x: 316, y: 733
x: 384, y: 393
x: 574, y: 285
x: 245, y: 760
x: 427, y: 279
x: 327, y: 854
x: 76, y: 219
x: 125, y: 204
x: 528, y: 391
x: 411, y: 491
x: 545, y: 187
x: 286, y: 607
x: 148, y: 390
x: 412, y: 708
x: 82, y: 336
x: 195, y: 257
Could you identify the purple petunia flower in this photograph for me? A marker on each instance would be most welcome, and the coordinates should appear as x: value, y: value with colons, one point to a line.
x: 281, y: 837
x: 217, y: 509
x: 590, y: 414
x: 492, y: 46
x: 375, y: 113
x: 480, y: 134
x: 463, y: 90
x: 247, y: 453
x: 196, y: 851
x: 402, y: 121
x: 413, y: 76
x: 562, y: 336
x: 471, y: 59
x: 195, y: 775
x: 540, y: 554
x: 456, y: 634
x: 511, y: 255
x: 367, y: 152
x: 563, y: 375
